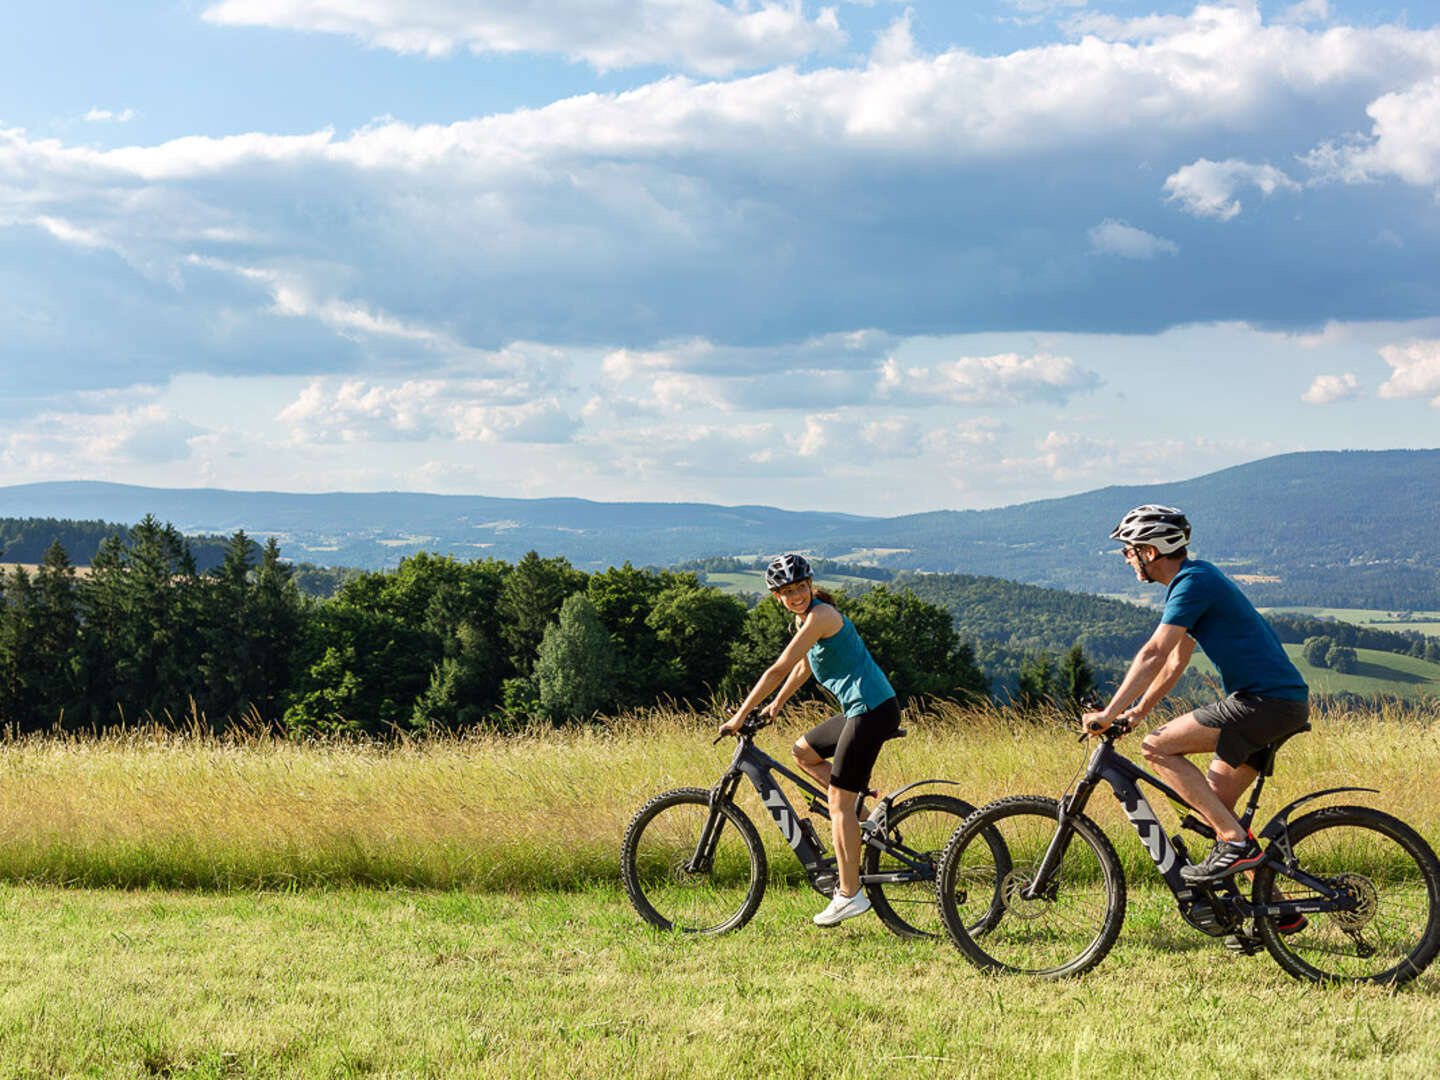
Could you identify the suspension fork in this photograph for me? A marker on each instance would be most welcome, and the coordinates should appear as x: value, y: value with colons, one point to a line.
x: 1070, y: 806
x: 723, y: 792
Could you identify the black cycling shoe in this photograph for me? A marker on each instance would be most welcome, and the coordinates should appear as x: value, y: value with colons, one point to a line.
x: 1244, y: 944
x: 1227, y: 858
x: 1247, y: 944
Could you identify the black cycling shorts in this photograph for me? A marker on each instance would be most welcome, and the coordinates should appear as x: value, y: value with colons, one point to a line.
x: 1249, y: 724
x: 853, y: 742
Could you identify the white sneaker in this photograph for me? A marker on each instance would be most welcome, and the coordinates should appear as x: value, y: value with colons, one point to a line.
x: 843, y: 907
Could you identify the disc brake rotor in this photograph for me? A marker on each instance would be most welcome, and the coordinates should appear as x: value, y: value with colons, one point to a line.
x: 1367, y: 901
x: 1012, y: 892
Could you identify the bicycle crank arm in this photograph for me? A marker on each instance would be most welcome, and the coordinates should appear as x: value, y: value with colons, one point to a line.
x: 898, y: 878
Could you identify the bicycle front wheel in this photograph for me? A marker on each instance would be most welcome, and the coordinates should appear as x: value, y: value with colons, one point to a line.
x: 665, y: 883
x: 1391, y: 929
x: 993, y: 916
x: 917, y: 830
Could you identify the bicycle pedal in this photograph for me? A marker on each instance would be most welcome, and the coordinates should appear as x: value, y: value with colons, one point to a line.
x: 1243, y: 944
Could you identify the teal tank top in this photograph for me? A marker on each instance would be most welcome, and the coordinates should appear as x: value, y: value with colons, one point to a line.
x: 843, y: 665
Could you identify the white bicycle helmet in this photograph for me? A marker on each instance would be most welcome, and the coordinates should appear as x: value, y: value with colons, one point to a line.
x: 1165, y: 528
x: 786, y: 570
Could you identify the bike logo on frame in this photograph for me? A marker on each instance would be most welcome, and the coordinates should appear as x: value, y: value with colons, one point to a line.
x: 775, y: 803
x: 1137, y: 809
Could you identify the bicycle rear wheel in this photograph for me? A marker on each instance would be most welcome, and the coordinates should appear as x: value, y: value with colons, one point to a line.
x: 919, y: 827
x: 1393, y: 931
x: 1065, y: 930
x: 655, y: 860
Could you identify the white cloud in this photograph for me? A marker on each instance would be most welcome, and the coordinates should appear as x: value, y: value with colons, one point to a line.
x: 896, y: 43
x: 838, y: 351
x: 99, y: 116
x: 1207, y: 188
x: 1304, y: 13
x: 669, y: 452
x: 1416, y: 371
x: 76, y: 444
x: 1327, y: 389
x: 354, y: 411
x: 706, y: 36
x: 1077, y: 458
x: 1007, y: 378
x: 1404, y: 141
x: 1112, y: 237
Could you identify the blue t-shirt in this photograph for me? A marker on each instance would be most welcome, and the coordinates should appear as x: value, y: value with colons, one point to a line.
x: 1241, y: 644
x: 843, y: 665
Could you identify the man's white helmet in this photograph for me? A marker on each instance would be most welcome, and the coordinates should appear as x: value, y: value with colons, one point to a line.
x: 1165, y: 528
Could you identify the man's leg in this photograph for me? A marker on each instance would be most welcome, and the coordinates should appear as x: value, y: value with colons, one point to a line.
x: 1229, y: 782
x: 1165, y: 749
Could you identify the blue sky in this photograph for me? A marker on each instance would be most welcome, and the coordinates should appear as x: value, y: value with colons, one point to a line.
x: 874, y: 257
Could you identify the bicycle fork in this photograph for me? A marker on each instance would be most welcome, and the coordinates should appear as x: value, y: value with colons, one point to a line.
x: 704, y: 854
x: 1040, y: 886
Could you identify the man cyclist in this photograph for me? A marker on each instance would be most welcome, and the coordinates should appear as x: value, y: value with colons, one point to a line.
x: 1266, y: 698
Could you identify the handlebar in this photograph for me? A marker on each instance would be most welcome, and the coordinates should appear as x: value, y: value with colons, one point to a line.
x: 752, y: 723
x: 1114, y: 731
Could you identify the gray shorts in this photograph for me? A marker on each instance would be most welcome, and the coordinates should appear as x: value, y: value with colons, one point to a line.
x: 1250, y: 724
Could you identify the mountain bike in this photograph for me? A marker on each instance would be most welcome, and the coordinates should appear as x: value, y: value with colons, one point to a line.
x: 693, y: 861
x: 1345, y: 894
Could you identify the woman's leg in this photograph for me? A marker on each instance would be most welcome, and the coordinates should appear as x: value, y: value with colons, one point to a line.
x: 855, y: 752
x: 845, y: 831
x: 810, y: 762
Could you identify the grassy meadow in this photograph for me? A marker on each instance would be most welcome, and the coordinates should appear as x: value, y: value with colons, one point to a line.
x: 191, y: 906
x: 1424, y: 622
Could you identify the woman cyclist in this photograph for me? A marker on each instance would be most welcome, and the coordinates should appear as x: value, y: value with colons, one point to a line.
x: 827, y: 646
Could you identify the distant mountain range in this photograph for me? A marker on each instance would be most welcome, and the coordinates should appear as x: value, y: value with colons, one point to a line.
x: 1342, y: 528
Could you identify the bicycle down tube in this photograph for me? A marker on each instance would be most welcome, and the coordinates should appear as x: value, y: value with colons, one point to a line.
x: 758, y: 766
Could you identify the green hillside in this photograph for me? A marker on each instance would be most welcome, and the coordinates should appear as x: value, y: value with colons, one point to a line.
x: 1422, y: 622
x: 1376, y: 674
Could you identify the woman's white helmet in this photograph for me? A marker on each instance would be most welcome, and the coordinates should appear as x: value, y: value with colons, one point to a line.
x: 786, y: 570
x: 1165, y: 528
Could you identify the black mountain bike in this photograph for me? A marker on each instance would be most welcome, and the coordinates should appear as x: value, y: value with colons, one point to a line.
x: 692, y: 860
x: 1345, y: 894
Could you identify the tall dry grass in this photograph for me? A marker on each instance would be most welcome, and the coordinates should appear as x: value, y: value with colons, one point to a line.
x: 538, y: 810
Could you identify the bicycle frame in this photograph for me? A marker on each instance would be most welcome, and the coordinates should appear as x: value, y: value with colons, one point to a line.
x: 752, y: 763
x: 1215, y: 910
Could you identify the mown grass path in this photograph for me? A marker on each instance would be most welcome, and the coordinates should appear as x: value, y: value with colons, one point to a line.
x: 392, y: 983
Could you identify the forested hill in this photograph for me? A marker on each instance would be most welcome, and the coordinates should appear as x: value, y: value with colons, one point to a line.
x: 1342, y: 529
x: 24, y: 540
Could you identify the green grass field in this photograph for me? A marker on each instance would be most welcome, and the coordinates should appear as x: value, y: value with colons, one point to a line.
x: 192, y: 907
x: 1375, y: 673
x: 393, y: 983
x: 1425, y: 622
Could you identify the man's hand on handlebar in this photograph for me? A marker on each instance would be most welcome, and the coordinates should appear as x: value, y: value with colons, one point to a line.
x: 1096, y: 723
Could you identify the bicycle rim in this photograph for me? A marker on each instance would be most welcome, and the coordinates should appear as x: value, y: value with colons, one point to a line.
x: 920, y: 827
x: 668, y: 893
x: 1391, y: 877
x: 1065, y: 930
